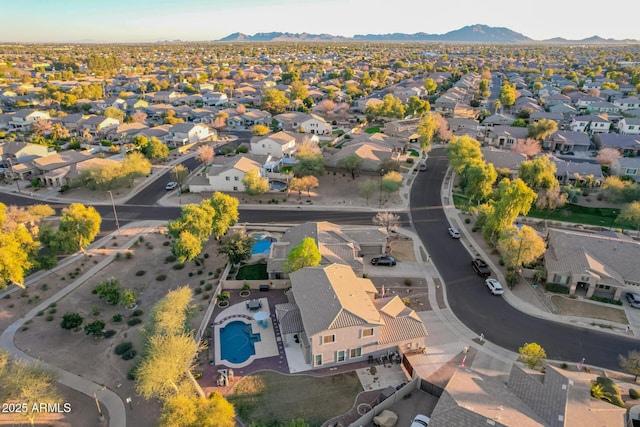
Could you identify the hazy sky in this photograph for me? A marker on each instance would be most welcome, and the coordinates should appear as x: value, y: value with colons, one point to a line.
x: 151, y: 20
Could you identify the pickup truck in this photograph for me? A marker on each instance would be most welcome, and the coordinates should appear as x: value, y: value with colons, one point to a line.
x: 480, y: 267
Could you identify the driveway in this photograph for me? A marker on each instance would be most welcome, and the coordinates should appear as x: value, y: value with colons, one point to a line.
x: 401, y: 269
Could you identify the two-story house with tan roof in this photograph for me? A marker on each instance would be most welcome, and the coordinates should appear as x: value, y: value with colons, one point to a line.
x: 229, y: 173
x: 338, y: 320
x: 23, y: 120
x: 280, y: 144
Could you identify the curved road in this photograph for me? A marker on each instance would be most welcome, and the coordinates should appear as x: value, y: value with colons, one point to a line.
x: 477, y: 308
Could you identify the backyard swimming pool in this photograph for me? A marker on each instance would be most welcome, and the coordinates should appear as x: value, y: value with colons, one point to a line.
x: 262, y: 244
x: 277, y: 185
x: 237, y: 342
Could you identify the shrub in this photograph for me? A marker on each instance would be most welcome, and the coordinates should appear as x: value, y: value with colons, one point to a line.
x: 197, y: 374
x: 71, y: 321
x: 161, y: 277
x: 134, y: 321
x: 178, y: 266
x: 199, y: 271
x: 108, y: 333
x: 117, y: 318
x: 40, y: 313
x: 137, y: 313
x: 140, y: 273
x: 52, y: 311
x: 208, y: 287
x: 129, y: 354
x: 410, y: 160
x: 206, y: 255
x: 408, y: 282
x: 128, y: 254
x: 611, y: 390
x: 166, y: 243
x: 201, y: 282
x: 197, y: 291
x: 633, y: 393
x: 170, y: 258
x: 95, y: 328
x: 49, y: 318
x: 206, y: 296
x: 123, y: 347
x: 191, y: 274
x: 606, y: 300
x: 564, y: 365
x: 44, y: 287
x: 467, y: 220
x: 558, y: 289
x: 131, y: 375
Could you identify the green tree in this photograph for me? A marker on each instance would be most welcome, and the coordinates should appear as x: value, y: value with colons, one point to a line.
x: 298, y: 90
x: 391, y: 107
x: 114, y: 113
x: 255, y: 184
x: 71, y: 321
x: 308, y: 165
x: 539, y: 173
x: 195, y: 411
x: 180, y: 173
x: 155, y: 149
x: 128, y: 298
x: 186, y: 247
x: 167, y: 361
x: 351, y: 164
x: 461, y: 151
x: 367, y: 188
x: 520, y: 246
x: 196, y: 219
x: 79, y: 224
x: 510, y: 199
x: 95, y: 328
x: 531, y: 354
x: 260, y: 130
x: 306, y: 254
x: 274, y: 101
x: 391, y: 182
x: 171, y: 315
x: 426, y: 130
x: 417, y: 107
x: 237, y: 247
x: 542, y: 129
x: 226, y: 212
x: 430, y: 85
x: 508, y: 94
x: 18, y: 248
x: 109, y: 290
x: 478, y: 178
x: 629, y: 216
x: 630, y: 363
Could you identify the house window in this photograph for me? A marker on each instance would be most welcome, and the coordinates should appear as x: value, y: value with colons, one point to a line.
x: 605, y: 287
x: 227, y: 178
x: 340, y: 356
x: 355, y: 352
x: 367, y: 332
x: 317, y: 360
x: 235, y: 188
x: 631, y: 172
x: 327, y: 339
x: 563, y: 280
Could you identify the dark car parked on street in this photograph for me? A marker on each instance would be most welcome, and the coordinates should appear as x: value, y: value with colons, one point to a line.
x: 480, y: 267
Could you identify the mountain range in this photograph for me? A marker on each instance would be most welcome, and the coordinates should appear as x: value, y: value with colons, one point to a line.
x: 469, y: 34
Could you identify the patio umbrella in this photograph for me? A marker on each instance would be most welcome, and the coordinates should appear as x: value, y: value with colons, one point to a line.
x: 261, y: 315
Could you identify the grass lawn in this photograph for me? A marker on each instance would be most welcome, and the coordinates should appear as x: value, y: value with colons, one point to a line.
x: 269, y: 398
x: 372, y: 129
x: 413, y: 153
x: 337, y: 132
x: 604, y: 217
x: 252, y: 272
x: 461, y: 202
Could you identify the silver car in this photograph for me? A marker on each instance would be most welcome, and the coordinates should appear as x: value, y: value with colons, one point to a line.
x: 494, y: 286
x: 453, y: 232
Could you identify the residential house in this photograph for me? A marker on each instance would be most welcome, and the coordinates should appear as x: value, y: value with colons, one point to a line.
x: 280, y: 144
x: 567, y: 111
x: 187, y: 133
x: 506, y: 136
x: 23, y: 120
x: 124, y: 133
x: 583, y: 102
x: 503, y: 159
x: 590, y: 124
x: 53, y: 169
x: 371, y: 153
x: 555, y: 398
x: 165, y: 97
x: 215, y: 99
x: 628, y: 145
x: 227, y: 173
x: 556, y: 99
x: 498, y: 120
x: 344, y: 244
x: 463, y: 126
x: 71, y: 122
x: 402, y: 128
x: 16, y: 158
x: 626, y: 166
x: 566, y: 140
x: 99, y: 126
x: 629, y: 126
x: 133, y: 104
x: 303, y: 123
x: 256, y: 117
x: 628, y: 103
x: 161, y: 132
x: 363, y: 103
x: 338, y: 320
x: 603, y: 107
x: 536, y: 116
x: 578, y: 173
x: 600, y: 264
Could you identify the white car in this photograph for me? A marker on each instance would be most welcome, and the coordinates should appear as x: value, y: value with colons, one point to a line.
x: 494, y: 286
x: 453, y: 232
x: 420, y: 421
x: 171, y: 185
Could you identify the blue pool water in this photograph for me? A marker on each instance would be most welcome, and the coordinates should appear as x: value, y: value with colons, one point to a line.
x: 262, y: 245
x: 278, y: 185
x: 236, y: 342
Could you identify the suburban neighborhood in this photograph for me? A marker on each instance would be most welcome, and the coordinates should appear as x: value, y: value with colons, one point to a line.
x: 336, y: 233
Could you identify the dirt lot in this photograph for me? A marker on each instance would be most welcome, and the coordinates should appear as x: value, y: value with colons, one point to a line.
x: 570, y: 307
x: 92, y: 358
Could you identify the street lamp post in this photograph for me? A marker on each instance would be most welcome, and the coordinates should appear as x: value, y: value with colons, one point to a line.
x: 381, y: 175
x: 115, y: 214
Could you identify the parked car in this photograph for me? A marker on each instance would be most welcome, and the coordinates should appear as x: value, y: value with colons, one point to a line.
x: 633, y: 298
x: 423, y: 167
x: 494, y: 286
x: 420, y: 421
x: 171, y: 185
x: 453, y: 232
x: 480, y: 267
x: 384, y: 260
